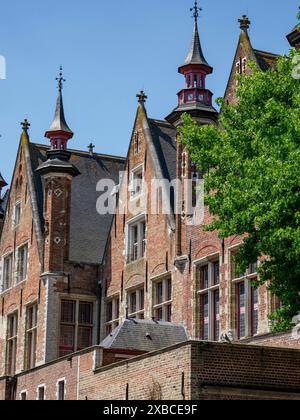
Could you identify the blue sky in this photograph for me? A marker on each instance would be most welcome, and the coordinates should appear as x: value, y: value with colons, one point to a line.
x: 111, y: 50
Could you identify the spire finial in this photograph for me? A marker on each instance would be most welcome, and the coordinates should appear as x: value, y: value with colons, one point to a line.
x: 142, y: 97
x: 91, y: 148
x: 196, y: 9
x: 60, y: 79
x: 25, y: 125
x: 244, y: 23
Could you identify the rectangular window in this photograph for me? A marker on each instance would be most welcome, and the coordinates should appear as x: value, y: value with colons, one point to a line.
x: 254, y: 310
x: 76, y: 326
x: 137, y: 179
x: 241, y: 310
x: 216, y: 315
x: 136, y: 241
x: 23, y: 396
x: 12, y: 340
x: 112, y: 314
x: 208, y: 279
x: 7, y: 272
x: 136, y: 304
x: 41, y: 393
x: 162, y: 298
x: 61, y: 390
x: 17, y: 213
x: 247, y: 299
x: 205, y: 316
x: 22, y: 263
x: 31, y: 336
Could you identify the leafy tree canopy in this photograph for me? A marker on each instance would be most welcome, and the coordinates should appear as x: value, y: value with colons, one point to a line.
x: 251, y: 167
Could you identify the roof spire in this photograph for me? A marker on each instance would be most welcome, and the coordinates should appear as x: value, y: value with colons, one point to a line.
x: 244, y: 23
x: 195, y: 55
x: 59, y: 133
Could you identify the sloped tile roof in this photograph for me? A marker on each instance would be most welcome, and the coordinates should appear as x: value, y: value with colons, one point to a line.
x: 142, y: 335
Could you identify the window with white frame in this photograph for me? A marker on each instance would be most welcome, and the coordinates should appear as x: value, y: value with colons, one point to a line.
x: 17, y: 214
x: 162, y: 300
x: 11, y: 344
x: 31, y: 336
x: 136, y: 240
x: 61, y: 390
x: 246, y: 295
x: 41, y: 393
x: 22, y: 261
x: 136, y: 303
x: 208, y: 280
x: 7, y: 272
x: 76, y: 326
x: 23, y: 395
x: 137, y: 179
x: 112, y: 307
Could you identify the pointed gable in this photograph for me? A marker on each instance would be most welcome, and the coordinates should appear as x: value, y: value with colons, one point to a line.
x: 244, y: 53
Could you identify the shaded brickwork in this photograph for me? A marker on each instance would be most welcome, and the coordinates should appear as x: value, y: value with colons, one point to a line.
x: 193, y: 370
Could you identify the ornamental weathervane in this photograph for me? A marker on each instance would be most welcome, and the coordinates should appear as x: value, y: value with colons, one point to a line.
x: 60, y: 79
x: 196, y: 9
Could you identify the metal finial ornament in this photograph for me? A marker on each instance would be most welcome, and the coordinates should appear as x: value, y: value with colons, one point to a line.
x: 196, y: 9
x: 60, y: 79
x: 142, y: 97
x: 244, y: 22
x: 91, y: 148
x: 25, y: 124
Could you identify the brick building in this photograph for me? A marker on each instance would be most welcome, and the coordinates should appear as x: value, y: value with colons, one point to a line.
x: 71, y: 277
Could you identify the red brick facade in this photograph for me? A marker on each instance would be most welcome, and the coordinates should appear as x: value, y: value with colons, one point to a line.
x: 155, y: 266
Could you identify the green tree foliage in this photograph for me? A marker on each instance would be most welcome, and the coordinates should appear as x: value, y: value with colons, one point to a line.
x: 251, y: 167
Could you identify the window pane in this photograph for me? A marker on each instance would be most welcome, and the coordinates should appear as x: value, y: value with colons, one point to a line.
x: 41, y: 393
x: 68, y: 308
x: 216, y: 273
x: 204, y: 277
x: 132, y: 308
x: 159, y: 293
x: 61, y: 390
x: 241, y: 310
x: 22, y: 263
x: 67, y: 336
x: 254, y: 310
x: 158, y: 314
x: 169, y: 289
x: 168, y: 313
x: 85, y: 315
x: 142, y: 299
x: 109, y: 311
x: 216, y: 315
x: 7, y: 273
x: 84, y: 337
x: 205, y: 317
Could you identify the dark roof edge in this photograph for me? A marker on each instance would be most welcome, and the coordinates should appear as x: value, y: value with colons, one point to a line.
x: 81, y: 152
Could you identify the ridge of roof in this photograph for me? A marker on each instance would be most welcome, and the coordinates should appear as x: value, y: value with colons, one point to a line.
x: 81, y: 152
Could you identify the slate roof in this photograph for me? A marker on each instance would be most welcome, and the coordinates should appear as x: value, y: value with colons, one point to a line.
x: 88, y: 230
x: 164, y: 139
x: 59, y: 122
x: 195, y: 55
x: 147, y: 336
x: 265, y: 59
x: 3, y: 203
